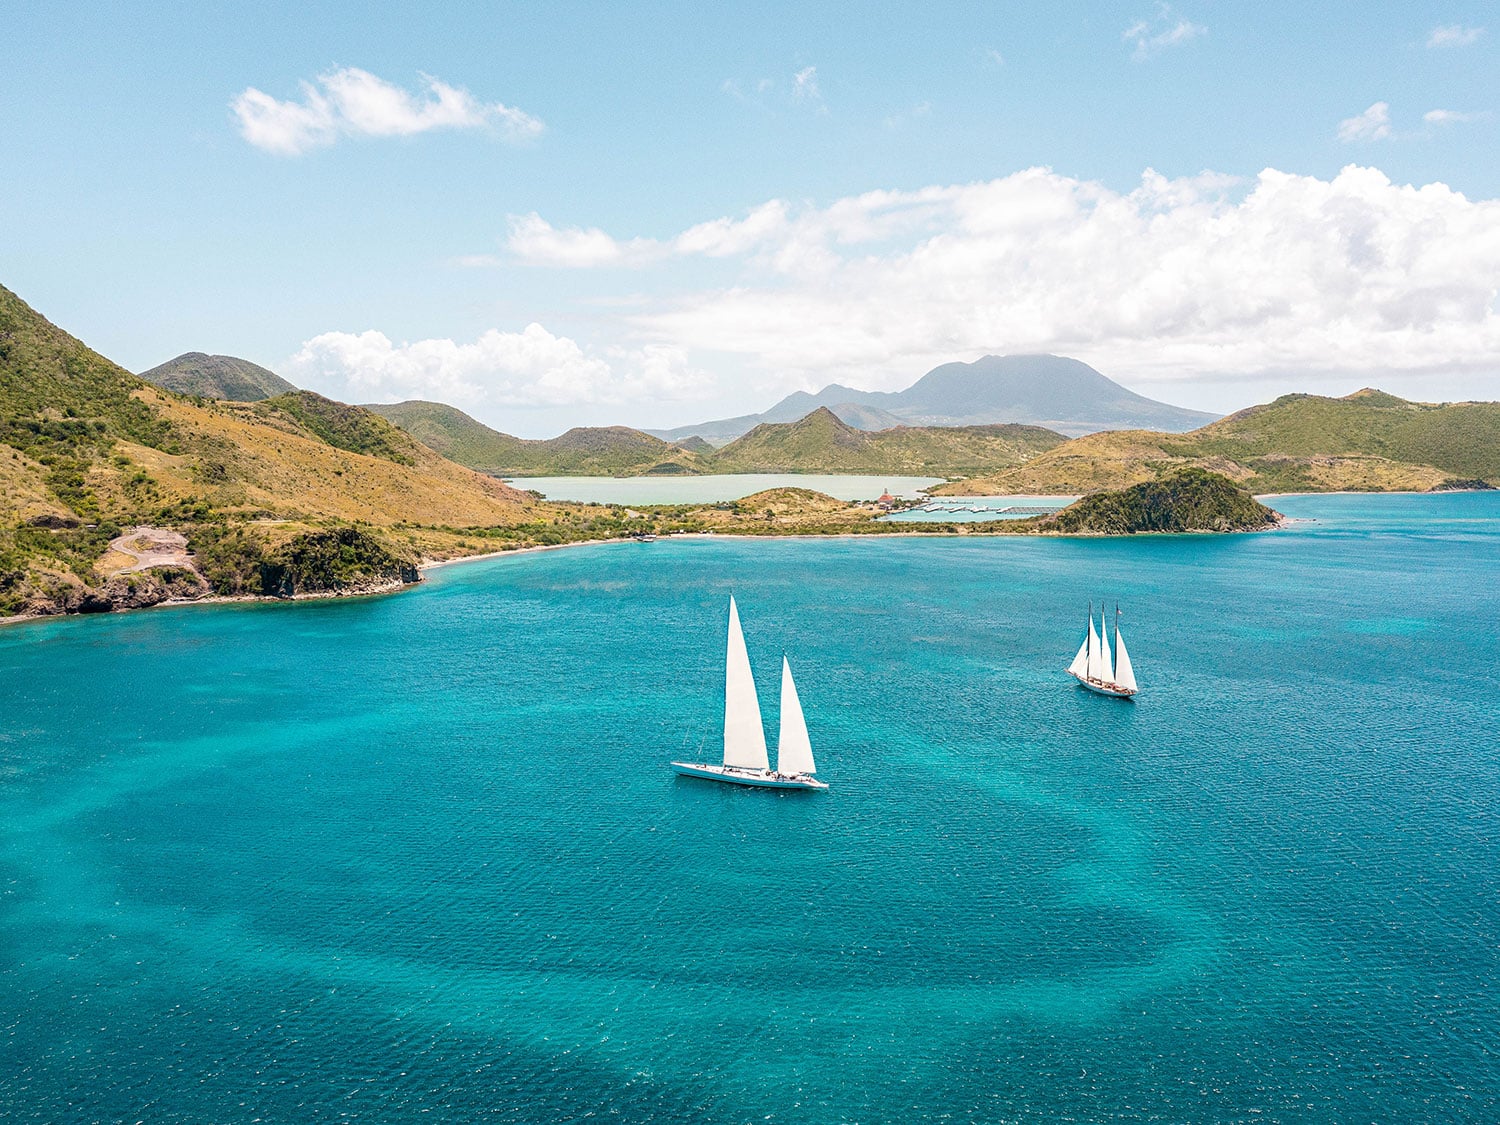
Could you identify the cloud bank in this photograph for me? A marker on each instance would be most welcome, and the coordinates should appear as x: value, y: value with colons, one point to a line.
x: 499, y: 370
x: 1200, y: 277
x: 1285, y: 278
x: 353, y: 102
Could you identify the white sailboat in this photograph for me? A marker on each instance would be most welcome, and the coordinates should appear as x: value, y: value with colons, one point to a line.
x: 745, y: 759
x: 1093, y: 667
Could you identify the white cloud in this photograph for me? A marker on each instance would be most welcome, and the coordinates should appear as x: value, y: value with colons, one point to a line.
x: 537, y: 242
x: 1160, y: 33
x: 1374, y: 124
x: 1453, y: 35
x: 499, y: 370
x: 1197, y: 277
x: 353, y: 102
x: 1450, y: 117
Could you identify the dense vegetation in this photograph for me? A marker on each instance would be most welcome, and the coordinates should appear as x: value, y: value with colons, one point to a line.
x: 1184, y: 500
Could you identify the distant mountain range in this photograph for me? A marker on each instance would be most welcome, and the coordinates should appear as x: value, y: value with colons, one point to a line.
x: 1055, y: 392
x: 818, y: 443
x: 218, y: 376
x: 1369, y: 440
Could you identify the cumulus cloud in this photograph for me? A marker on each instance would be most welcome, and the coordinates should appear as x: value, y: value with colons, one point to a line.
x: 1453, y: 35
x: 1374, y: 124
x: 499, y: 370
x: 1162, y: 32
x: 1198, y: 277
x: 353, y: 102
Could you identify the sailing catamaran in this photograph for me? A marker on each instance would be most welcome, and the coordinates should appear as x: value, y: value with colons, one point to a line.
x: 1092, y: 666
x: 745, y: 759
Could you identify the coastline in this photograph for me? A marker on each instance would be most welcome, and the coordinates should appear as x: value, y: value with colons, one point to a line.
x: 425, y: 565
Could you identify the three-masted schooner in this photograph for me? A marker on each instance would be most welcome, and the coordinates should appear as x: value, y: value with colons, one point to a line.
x: 745, y: 758
x: 1094, y: 669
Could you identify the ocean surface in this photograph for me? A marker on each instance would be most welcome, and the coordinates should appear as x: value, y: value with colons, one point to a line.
x: 714, y: 488
x: 420, y: 858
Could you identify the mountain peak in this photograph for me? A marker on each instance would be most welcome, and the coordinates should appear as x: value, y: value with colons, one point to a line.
x: 218, y: 376
x: 1057, y: 392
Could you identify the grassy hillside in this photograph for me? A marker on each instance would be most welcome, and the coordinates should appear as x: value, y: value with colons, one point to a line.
x: 821, y: 443
x: 584, y: 451
x: 1367, y: 441
x: 347, y: 427
x: 88, y: 449
x: 218, y: 376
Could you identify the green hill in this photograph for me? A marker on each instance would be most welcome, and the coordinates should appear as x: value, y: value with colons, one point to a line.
x: 292, y: 495
x: 1367, y: 441
x: 821, y: 443
x: 1183, y: 500
x: 218, y: 376
x: 583, y: 451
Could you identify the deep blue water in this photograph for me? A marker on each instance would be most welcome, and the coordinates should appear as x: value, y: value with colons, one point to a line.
x: 420, y: 857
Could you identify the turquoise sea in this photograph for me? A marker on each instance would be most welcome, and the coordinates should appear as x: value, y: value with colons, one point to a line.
x: 420, y: 858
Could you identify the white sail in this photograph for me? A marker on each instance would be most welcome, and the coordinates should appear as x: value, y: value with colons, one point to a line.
x: 1124, y: 673
x: 1106, y: 667
x: 744, y: 737
x: 794, y: 749
x: 1080, y: 665
x: 1091, y: 661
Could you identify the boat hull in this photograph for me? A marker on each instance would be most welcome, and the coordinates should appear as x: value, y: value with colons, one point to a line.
x: 1115, y: 691
x: 737, y: 775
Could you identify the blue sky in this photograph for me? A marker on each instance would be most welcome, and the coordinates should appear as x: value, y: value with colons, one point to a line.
x: 651, y: 214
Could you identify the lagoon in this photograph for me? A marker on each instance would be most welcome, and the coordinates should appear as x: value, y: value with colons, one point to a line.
x: 420, y: 857
x: 713, y: 489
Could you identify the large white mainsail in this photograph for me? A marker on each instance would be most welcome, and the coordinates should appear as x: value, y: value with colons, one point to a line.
x: 1124, y: 671
x: 744, y: 737
x: 1091, y: 661
x: 1106, y: 668
x: 793, y: 749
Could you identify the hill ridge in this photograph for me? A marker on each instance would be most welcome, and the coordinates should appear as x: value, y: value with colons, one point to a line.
x: 218, y: 376
x: 1296, y: 443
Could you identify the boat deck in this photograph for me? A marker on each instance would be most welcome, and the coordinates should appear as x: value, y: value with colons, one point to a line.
x: 738, y: 775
